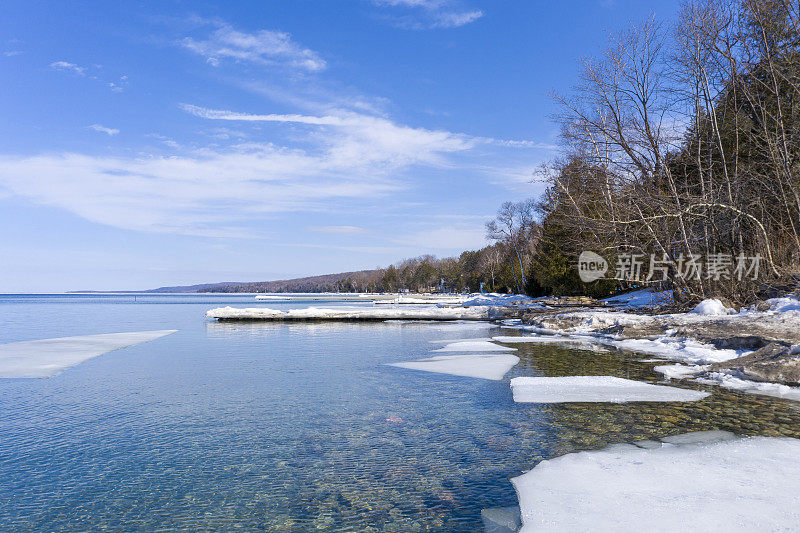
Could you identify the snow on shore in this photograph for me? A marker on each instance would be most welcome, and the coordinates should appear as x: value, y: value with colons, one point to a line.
x: 484, y: 366
x: 750, y: 484
x: 352, y: 313
x: 640, y: 298
x: 567, y: 389
x: 47, y: 357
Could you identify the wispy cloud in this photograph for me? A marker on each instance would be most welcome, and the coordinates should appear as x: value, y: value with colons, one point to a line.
x: 212, y: 194
x: 339, y: 230
x: 66, y: 66
x: 103, y: 129
x: 432, y: 13
x: 362, y: 140
x: 265, y: 47
x: 12, y: 53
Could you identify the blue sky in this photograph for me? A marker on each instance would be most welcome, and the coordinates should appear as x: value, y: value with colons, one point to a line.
x: 159, y: 143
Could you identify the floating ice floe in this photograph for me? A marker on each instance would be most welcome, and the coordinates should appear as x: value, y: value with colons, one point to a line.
x: 567, y: 389
x: 485, y: 366
x: 474, y: 346
x: 679, y: 371
x: 750, y: 484
x: 352, y: 313
x: 47, y: 357
x: 451, y: 341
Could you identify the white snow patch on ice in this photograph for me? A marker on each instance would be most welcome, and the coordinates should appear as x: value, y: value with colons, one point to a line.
x: 711, y: 307
x: 484, y: 366
x: 750, y: 484
x: 566, y: 389
x: 475, y: 346
x: 47, y: 357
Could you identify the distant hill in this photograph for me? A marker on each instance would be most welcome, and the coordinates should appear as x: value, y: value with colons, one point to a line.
x: 323, y: 283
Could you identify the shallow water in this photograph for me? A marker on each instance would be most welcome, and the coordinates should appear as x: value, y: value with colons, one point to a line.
x: 294, y: 427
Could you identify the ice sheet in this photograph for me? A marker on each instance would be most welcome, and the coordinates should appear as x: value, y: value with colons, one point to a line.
x: 475, y: 346
x: 566, y: 389
x: 485, y: 366
x: 352, y: 313
x: 750, y: 484
x: 47, y: 357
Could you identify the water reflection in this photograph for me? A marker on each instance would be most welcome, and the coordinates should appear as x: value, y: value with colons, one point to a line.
x: 295, y: 427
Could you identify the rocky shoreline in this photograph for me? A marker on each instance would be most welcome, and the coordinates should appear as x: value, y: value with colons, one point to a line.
x: 761, y: 343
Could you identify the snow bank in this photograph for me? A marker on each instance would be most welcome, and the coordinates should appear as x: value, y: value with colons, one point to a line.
x: 47, y: 357
x: 640, y: 298
x: 352, y: 313
x: 784, y: 305
x: 484, y: 366
x: 475, y: 346
x: 750, y: 484
x: 565, y: 389
x: 711, y: 307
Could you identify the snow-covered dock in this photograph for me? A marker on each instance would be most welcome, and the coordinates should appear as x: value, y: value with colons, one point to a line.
x: 353, y: 313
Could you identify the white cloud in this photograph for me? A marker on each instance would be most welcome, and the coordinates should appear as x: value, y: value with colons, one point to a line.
x: 103, y: 129
x: 363, y: 141
x: 456, y: 19
x: 335, y: 159
x: 66, y: 66
x: 12, y: 53
x: 263, y: 47
x: 341, y: 230
x: 210, y: 194
x: 434, y: 13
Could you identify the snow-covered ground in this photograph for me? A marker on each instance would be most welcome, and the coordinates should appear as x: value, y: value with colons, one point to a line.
x: 47, y: 357
x: 703, y: 482
x: 563, y: 389
x: 354, y: 313
x: 640, y: 298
